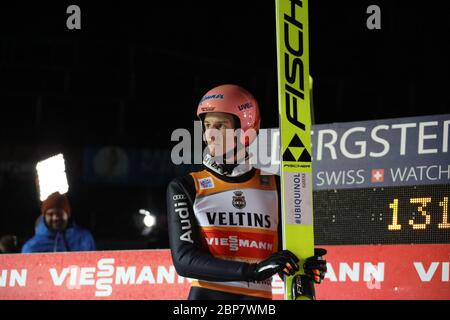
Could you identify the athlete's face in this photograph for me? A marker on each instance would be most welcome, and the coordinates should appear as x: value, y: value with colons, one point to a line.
x: 219, y: 133
x: 56, y: 219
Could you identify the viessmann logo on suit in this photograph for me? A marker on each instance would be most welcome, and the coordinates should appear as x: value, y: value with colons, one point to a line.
x: 235, y: 243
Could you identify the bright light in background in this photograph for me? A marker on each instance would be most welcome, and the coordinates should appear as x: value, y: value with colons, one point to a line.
x: 149, y: 219
x: 143, y: 211
x: 52, y: 176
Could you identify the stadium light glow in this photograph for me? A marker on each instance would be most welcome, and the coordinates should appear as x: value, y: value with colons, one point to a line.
x: 52, y: 176
x: 149, y: 219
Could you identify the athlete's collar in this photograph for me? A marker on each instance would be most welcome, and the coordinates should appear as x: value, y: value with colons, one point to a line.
x: 229, y: 170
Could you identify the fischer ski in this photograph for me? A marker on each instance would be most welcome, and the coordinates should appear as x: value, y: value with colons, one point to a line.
x: 294, y: 104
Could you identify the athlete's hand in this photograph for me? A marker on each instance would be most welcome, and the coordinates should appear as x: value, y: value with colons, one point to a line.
x: 316, y: 266
x: 282, y: 262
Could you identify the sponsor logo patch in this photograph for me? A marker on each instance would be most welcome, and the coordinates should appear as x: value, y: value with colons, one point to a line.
x: 239, y: 200
x: 264, y: 180
x: 213, y: 96
x: 206, y: 183
x: 245, y: 106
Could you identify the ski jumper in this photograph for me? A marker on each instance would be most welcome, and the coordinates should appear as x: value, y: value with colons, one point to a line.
x: 218, y: 225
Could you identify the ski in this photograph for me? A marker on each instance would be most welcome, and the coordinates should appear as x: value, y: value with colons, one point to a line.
x: 294, y: 105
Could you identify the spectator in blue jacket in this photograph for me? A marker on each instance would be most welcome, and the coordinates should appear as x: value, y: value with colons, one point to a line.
x: 56, y: 231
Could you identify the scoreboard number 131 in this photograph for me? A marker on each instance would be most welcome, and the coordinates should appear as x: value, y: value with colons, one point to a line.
x: 422, y: 206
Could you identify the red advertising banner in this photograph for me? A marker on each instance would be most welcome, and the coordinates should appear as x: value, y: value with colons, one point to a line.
x: 354, y: 272
x: 387, y: 272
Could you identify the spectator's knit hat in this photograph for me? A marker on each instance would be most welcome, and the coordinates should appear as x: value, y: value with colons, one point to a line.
x: 56, y: 200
